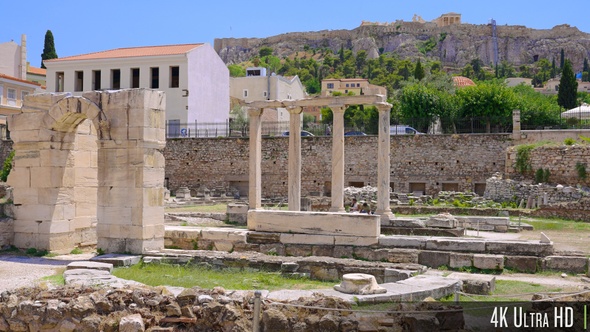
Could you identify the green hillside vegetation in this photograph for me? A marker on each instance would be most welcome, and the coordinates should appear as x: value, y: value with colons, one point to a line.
x: 423, y: 89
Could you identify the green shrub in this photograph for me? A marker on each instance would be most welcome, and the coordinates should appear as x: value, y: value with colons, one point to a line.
x: 542, y: 175
x: 523, y: 153
x: 581, y: 169
x: 569, y: 141
x: 7, y: 167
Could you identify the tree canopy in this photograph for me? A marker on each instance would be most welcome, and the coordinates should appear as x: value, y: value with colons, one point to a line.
x: 567, y: 94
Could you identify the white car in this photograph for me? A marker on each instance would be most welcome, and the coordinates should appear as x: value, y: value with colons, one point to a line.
x: 403, y: 130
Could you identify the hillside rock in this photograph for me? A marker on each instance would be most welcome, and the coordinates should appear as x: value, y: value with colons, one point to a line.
x: 455, y: 45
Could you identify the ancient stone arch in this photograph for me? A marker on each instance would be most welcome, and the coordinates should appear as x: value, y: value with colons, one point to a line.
x: 89, y: 170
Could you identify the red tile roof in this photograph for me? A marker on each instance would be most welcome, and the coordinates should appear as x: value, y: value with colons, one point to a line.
x: 37, y: 71
x: 18, y: 80
x: 461, y: 81
x: 130, y: 52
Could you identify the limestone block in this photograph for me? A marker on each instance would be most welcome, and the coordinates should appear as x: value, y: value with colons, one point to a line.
x: 566, y: 264
x: 408, y: 222
x: 394, y: 275
x: 230, y: 235
x: 288, y: 238
x: 323, y: 272
x: 26, y: 239
x: 28, y: 196
x: 50, y: 177
x: 19, y: 178
x: 115, y: 215
x: 6, y: 232
x: 400, y: 255
x: 84, y: 222
x: 33, y: 212
x: 83, y: 194
x: 355, y: 240
x: 27, y: 158
x: 526, y: 264
x: 33, y: 135
x: 479, y: 284
x: 442, y: 220
x: 60, y: 158
x: 341, y: 251
x: 131, y: 323
x: 522, y: 248
x: 86, y: 176
x: 403, y: 242
x: 359, y: 283
x: 81, y: 158
x: 322, y: 250
x: 434, y: 259
x: 318, y: 223
x: 488, y: 262
x: 59, y: 242
x: 458, y: 261
x: 237, y: 213
x: 90, y: 265
x: 26, y: 121
x: 221, y: 245
x: 80, y: 209
x: 299, y: 250
x: 152, y: 177
x: 44, y: 101
x: 470, y: 245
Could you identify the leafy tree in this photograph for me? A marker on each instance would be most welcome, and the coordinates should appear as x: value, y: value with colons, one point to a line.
x: 48, y: 48
x: 536, y: 109
x: 418, y: 71
x: 568, y: 87
x: 6, y: 167
x: 489, y: 100
x: 265, y: 51
x: 236, y: 70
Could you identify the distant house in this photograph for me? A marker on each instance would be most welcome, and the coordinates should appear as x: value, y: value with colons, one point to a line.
x: 552, y: 87
x: 514, y: 81
x: 12, y: 92
x: 257, y: 85
x: 356, y: 86
x: 13, y: 58
x: 193, y: 76
x: 37, y: 75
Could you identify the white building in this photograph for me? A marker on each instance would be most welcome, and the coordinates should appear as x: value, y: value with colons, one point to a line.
x: 193, y: 76
x: 257, y: 85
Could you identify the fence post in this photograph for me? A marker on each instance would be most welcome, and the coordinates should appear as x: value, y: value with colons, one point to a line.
x: 256, y: 319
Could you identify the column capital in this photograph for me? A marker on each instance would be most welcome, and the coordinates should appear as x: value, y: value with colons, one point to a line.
x: 255, y: 111
x: 337, y: 108
x: 295, y: 109
x: 383, y: 106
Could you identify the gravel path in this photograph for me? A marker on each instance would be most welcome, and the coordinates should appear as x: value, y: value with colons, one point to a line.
x: 24, y: 271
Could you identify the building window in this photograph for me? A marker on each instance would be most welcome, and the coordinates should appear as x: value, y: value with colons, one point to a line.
x: 155, y: 77
x: 11, y: 94
x: 358, y: 85
x: 116, y: 79
x: 245, y: 93
x: 347, y: 85
x: 59, y: 81
x: 96, y: 80
x: 79, y: 83
x: 134, y: 78
x: 174, y: 77
x: 330, y: 85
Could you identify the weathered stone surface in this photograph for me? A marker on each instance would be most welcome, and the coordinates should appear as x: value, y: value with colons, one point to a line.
x: 457, y: 261
x: 526, y: 264
x: 442, y: 220
x: 566, y: 264
x: 465, y: 245
x: 434, y: 259
x: 359, y: 283
x: 488, y: 262
x: 480, y: 284
x: 327, y: 223
x: 90, y: 265
x: 132, y: 323
x: 519, y: 248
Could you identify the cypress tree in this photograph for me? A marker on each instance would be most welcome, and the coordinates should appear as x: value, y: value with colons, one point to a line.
x: 568, y: 87
x: 562, y: 60
x: 48, y: 48
x: 419, y: 71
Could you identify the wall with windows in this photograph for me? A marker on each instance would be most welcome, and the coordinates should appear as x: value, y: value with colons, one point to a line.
x: 423, y: 162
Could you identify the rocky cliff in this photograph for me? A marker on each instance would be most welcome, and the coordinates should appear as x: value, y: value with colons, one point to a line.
x: 454, y: 45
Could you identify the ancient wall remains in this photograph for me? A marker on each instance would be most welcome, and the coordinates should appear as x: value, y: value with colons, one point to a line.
x: 426, y: 163
x: 560, y: 160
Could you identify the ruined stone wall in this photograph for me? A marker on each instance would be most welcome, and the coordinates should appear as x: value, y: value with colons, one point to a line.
x: 501, y: 190
x: 426, y: 160
x: 559, y: 160
x: 5, y: 148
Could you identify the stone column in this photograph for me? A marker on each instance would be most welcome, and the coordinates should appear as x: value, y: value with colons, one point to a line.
x: 383, y: 165
x: 338, y: 159
x: 255, y: 173
x: 516, y: 125
x: 295, y: 158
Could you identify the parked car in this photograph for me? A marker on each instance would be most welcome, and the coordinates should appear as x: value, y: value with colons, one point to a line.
x: 303, y: 133
x: 354, y: 133
x: 403, y: 130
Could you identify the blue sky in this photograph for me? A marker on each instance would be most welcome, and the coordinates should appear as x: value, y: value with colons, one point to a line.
x: 81, y: 26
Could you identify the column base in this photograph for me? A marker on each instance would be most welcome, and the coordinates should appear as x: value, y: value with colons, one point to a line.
x: 337, y: 209
x: 386, y: 217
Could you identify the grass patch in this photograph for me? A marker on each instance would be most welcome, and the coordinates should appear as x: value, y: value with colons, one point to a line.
x: 542, y: 224
x: 57, y: 279
x: 76, y: 251
x: 232, y: 278
x: 220, y: 207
